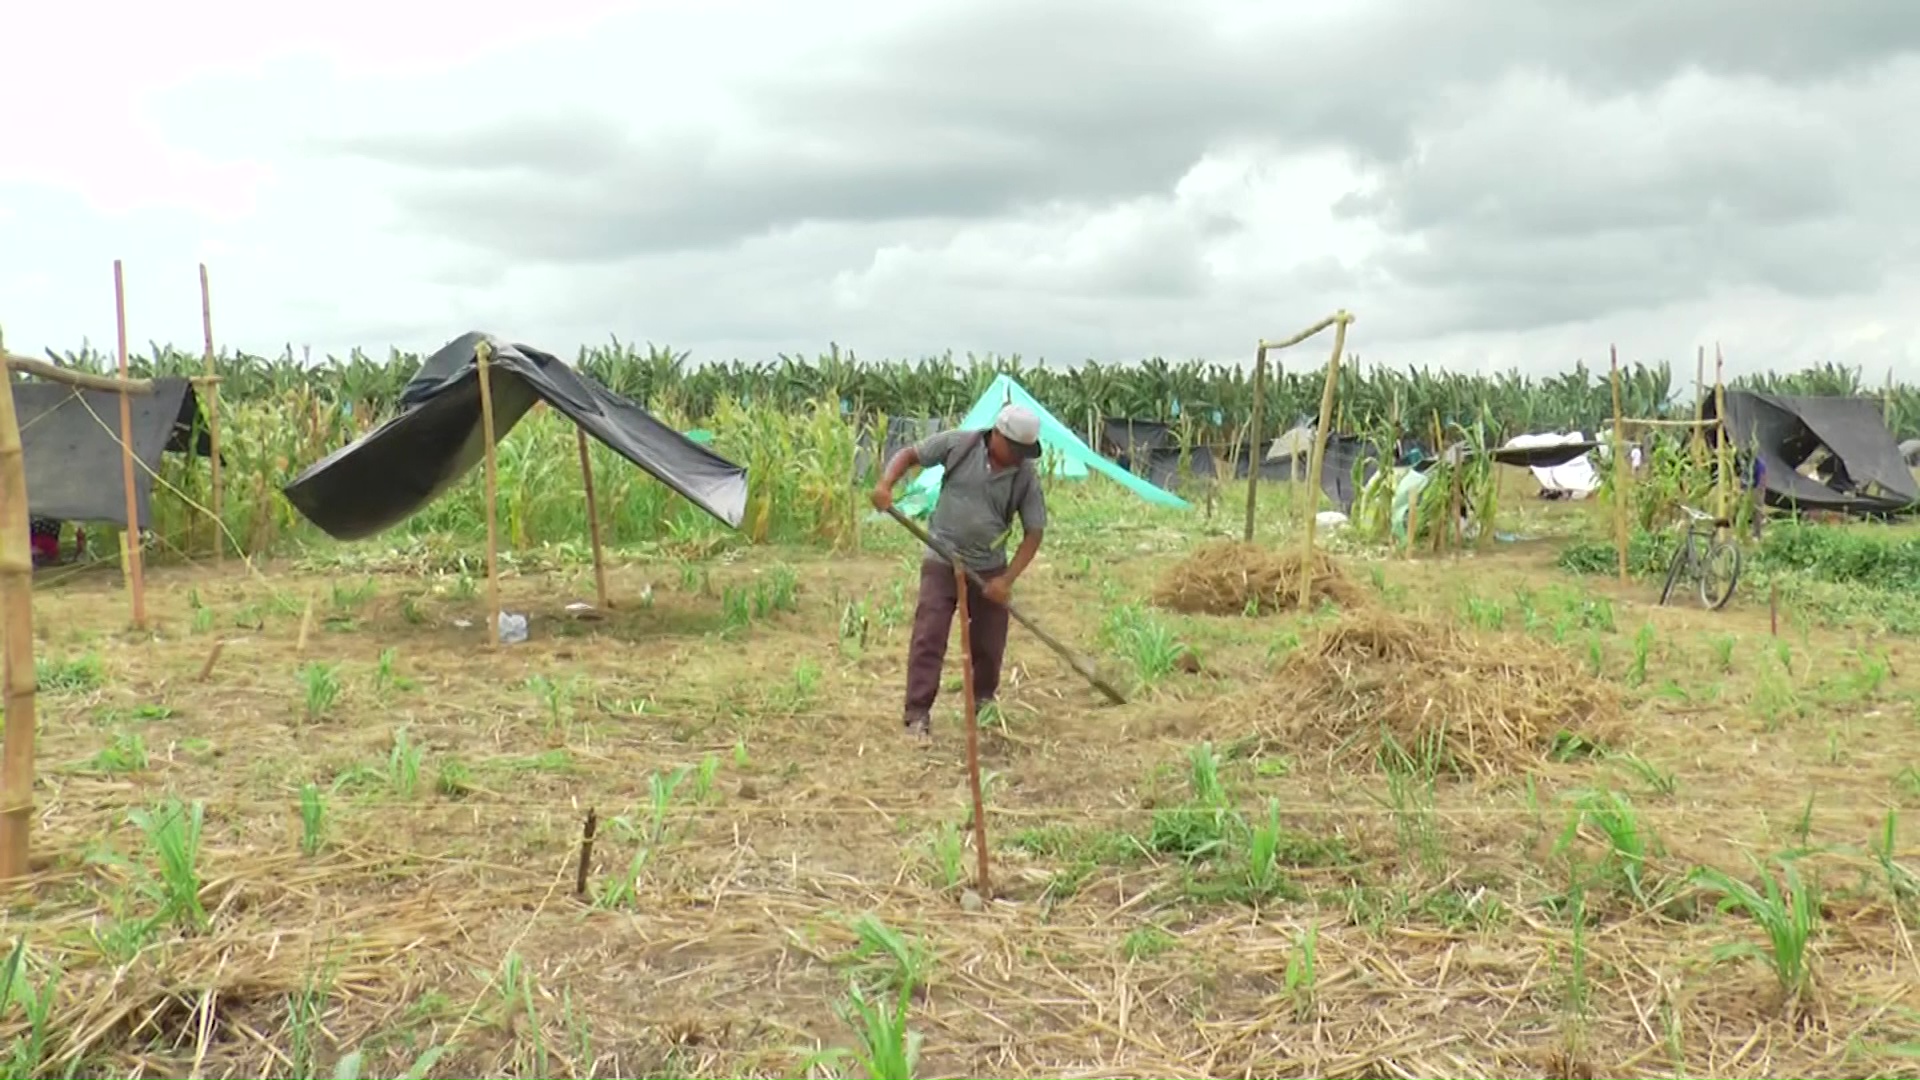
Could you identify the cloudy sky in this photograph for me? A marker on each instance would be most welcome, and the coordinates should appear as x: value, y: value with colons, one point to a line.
x: 1485, y: 183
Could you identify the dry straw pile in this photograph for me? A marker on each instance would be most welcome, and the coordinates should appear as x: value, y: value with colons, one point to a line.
x: 1482, y: 706
x: 1229, y: 577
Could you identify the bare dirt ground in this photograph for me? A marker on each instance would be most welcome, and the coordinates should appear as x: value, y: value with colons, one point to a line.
x: 1397, y: 922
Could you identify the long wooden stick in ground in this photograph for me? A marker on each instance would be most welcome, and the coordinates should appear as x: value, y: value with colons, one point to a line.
x: 483, y: 356
x: 1073, y: 659
x: 16, y: 607
x: 1253, y: 434
x: 213, y: 418
x: 1622, y: 468
x: 1340, y: 321
x: 130, y: 540
x: 982, y: 882
x: 593, y: 523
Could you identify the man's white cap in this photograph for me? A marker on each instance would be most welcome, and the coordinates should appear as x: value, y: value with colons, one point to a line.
x: 1019, y: 426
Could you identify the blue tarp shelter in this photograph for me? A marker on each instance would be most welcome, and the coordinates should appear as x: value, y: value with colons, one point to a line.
x: 1062, y: 452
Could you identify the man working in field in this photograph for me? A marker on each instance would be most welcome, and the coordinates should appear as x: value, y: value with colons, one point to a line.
x: 989, y: 479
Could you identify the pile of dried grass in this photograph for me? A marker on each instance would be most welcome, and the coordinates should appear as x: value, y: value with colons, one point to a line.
x: 1230, y: 577
x: 1373, y: 680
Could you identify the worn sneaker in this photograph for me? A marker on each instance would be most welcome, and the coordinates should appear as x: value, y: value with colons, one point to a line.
x: 919, y: 726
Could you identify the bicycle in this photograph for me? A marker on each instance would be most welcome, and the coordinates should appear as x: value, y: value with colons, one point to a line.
x: 1705, y: 558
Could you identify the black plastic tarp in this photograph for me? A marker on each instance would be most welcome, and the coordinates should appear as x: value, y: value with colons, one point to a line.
x: 70, y: 440
x: 1862, y: 471
x: 1343, y: 454
x: 390, y: 473
x: 902, y: 432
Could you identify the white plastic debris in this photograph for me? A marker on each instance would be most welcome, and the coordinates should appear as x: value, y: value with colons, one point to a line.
x: 513, y: 628
x: 1330, y: 519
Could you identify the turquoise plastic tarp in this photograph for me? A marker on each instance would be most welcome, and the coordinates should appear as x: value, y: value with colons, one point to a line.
x: 1063, y: 454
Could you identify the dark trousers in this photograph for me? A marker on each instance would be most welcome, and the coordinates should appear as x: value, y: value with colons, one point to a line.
x: 933, y: 624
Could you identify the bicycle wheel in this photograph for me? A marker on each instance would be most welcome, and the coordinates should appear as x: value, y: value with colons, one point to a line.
x: 1719, y: 572
x: 1681, y: 556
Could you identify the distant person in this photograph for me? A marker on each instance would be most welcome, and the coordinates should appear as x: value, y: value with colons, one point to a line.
x: 989, y: 479
x: 45, y: 533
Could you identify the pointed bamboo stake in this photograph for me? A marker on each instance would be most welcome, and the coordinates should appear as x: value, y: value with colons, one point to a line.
x: 482, y: 357
x: 982, y: 882
x: 16, y: 607
x: 130, y: 539
x: 1340, y: 321
x: 593, y: 523
x: 1622, y: 468
x: 213, y: 418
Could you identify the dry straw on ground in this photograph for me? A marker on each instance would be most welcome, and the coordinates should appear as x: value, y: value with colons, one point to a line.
x: 1229, y: 577
x: 1483, y: 705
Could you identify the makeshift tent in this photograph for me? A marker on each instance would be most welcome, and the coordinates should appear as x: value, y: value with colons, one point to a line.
x: 1064, y: 454
x: 1821, y: 453
x: 1294, y: 449
x: 70, y: 441
x: 390, y: 473
x: 1558, y: 462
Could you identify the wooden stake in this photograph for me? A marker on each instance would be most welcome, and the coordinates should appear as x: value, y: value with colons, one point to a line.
x: 1622, y: 468
x: 1699, y: 406
x: 16, y: 607
x: 1721, y: 452
x: 213, y: 418
x: 131, y: 553
x: 1773, y: 606
x: 306, y: 624
x: 1319, y: 460
x: 586, y: 853
x: 593, y: 523
x: 1253, y: 434
x: 982, y: 882
x: 213, y: 657
x: 482, y: 355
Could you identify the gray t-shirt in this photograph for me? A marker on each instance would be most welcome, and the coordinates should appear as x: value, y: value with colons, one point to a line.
x: 977, y: 501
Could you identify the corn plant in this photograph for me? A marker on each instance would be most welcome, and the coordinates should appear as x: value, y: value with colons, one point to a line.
x: 889, y: 1049
x: 26, y: 1055
x: 888, y: 957
x: 1788, y: 913
x: 313, y: 819
x: 172, y: 830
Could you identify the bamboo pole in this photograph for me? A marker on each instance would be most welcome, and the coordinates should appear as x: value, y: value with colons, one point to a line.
x: 16, y: 607
x: 1340, y: 320
x: 130, y: 540
x: 1720, y: 467
x: 212, y: 384
x: 482, y: 356
x: 982, y: 881
x: 1253, y: 434
x: 1699, y: 405
x: 40, y: 369
x: 1622, y: 468
x: 593, y: 522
